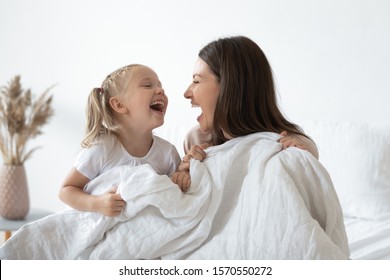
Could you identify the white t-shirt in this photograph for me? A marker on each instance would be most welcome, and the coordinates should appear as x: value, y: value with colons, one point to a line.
x: 109, y: 152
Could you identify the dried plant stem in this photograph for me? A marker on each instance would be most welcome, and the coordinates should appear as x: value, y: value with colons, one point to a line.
x: 21, y: 119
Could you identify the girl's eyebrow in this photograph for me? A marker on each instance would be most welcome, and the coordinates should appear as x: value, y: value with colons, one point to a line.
x: 150, y: 80
x: 146, y: 79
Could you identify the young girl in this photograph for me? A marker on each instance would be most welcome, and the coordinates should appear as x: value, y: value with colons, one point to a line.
x: 120, y: 118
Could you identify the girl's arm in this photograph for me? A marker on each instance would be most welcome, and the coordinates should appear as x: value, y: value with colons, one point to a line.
x: 109, y: 204
x: 299, y: 141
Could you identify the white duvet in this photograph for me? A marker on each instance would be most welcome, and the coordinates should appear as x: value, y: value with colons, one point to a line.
x: 248, y: 200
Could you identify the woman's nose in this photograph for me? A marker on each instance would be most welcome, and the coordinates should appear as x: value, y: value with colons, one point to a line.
x: 188, y: 93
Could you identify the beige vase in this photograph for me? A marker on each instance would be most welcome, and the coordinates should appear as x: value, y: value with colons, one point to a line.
x: 14, y: 197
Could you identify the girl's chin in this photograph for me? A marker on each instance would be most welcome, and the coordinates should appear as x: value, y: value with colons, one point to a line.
x: 158, y: 123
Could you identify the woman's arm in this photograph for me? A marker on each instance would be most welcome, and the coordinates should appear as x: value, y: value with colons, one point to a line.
x: 109, y: 204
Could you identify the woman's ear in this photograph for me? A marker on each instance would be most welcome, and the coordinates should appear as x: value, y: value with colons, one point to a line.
x: 117, y: 105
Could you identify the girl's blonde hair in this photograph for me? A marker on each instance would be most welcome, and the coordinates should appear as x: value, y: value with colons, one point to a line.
x: 100, y: 116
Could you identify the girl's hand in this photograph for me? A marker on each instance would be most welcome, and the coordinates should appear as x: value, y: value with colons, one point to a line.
x: 196, y: 152
x: 182, y: 179
x: 110, y: 204
x: 299, y: 141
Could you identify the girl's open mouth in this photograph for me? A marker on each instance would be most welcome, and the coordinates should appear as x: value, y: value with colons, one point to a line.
x: 157, y: 106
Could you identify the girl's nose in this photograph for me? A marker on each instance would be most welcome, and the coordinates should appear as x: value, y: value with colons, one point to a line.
x: 160, y: 91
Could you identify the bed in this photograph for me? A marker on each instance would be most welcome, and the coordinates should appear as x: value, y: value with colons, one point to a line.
x: 302, y: 219
x: 357, y: 156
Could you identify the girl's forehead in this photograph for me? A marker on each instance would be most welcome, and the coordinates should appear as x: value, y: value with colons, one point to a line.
x: 142, y: 72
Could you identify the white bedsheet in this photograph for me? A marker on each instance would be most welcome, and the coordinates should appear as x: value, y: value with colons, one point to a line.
x: 369, y: 239
x: 248, y: 200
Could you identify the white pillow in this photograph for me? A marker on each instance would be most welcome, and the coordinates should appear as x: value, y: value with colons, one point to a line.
x: 357, y: 157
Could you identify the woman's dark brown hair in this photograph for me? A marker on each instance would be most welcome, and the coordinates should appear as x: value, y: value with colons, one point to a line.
x: 247, y: 99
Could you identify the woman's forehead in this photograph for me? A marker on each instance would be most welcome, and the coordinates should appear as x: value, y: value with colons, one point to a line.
x: 200, y: 67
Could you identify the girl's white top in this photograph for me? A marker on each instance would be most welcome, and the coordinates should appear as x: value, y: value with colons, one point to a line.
x: 108, y: 153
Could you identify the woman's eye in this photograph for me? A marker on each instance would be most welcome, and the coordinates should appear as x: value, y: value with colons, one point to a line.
x: 148, y: 85
x: 195, y: 82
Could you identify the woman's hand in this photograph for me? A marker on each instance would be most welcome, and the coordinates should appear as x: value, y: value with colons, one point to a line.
x: 110, y: 204
x: 182, y: 179
x: 196, y: 152
x: 299, y: 141
x: 182, y: 176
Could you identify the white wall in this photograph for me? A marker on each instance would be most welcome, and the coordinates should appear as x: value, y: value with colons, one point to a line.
x: 331, y: 59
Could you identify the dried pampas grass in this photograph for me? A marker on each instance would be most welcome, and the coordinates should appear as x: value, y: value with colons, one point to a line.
x: 21, y: 119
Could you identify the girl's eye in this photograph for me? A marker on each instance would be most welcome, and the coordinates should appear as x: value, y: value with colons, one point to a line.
x: 147, y: 85
x: 195, y: 82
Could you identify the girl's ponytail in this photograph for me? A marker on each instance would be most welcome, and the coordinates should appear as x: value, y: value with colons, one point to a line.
x: 100, y: 119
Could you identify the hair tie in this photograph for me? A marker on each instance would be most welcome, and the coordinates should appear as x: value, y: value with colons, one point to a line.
x: 100, y: 91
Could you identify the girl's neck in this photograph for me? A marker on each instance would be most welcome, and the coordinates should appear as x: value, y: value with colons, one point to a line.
x: 136, y: 144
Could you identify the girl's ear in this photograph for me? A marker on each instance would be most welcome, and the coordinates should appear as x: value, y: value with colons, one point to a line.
x: 117, y: 105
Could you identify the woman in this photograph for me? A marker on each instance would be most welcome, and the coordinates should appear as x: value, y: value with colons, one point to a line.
x: 233, y: 86
x: 277, y: 204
